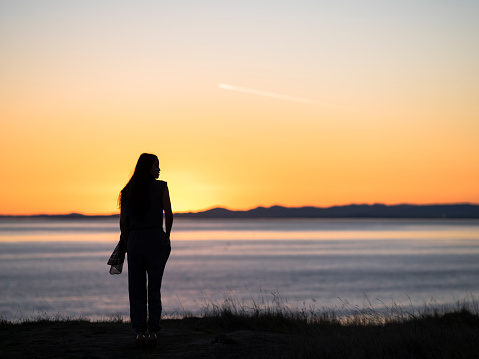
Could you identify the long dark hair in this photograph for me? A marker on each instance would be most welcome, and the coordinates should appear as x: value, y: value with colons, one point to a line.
x: 137, y: 190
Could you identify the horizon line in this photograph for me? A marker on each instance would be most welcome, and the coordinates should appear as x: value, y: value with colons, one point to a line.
x: 249, y: 209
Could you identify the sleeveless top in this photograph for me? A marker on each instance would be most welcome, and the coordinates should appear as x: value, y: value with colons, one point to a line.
x: 154, y: 215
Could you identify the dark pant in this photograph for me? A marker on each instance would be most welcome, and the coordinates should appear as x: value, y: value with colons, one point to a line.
x: 148, y: 252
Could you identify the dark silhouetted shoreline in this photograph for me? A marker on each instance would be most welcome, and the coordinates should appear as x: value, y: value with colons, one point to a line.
x: 265, y: 335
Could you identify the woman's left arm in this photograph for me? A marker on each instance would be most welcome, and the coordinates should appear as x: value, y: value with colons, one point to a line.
x: 124, y: 224
x: 168, y: 212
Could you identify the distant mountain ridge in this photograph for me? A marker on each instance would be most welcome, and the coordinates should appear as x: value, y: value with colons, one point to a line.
x: 464, y: 210
x: 348, y: 211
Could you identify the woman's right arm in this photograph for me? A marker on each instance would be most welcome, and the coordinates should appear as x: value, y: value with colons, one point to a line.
x: 168, y: 212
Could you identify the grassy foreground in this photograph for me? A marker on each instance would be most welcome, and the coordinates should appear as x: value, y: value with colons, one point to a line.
x: 232, y: 332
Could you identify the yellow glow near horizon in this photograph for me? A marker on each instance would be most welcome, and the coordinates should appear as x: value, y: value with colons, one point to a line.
x: 79, y: 104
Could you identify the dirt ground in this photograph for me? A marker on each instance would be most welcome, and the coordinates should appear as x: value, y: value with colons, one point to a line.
x: 116, y: 340
x: 451, y: 335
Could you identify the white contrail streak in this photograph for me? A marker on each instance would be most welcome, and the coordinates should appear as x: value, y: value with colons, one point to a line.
x: 273, y: 95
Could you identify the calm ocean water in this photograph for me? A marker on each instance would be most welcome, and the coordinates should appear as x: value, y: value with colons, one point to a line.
x: 59, y: 267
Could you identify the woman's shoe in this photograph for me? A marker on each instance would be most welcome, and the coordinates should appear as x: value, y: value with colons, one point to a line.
x: 152, y: 339
x: 140, y: 340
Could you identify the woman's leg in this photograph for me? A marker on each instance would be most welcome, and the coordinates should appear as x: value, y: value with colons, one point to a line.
x: 155, y: 269
x: 137, y: 286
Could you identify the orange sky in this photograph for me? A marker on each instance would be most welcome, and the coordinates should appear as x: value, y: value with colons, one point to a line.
x: 86, y: 88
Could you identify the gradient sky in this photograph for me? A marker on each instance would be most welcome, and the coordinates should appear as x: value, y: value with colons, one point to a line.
x: 341, y: 102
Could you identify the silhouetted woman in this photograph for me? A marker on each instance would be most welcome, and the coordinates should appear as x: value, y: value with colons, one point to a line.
x: 142, y: 202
